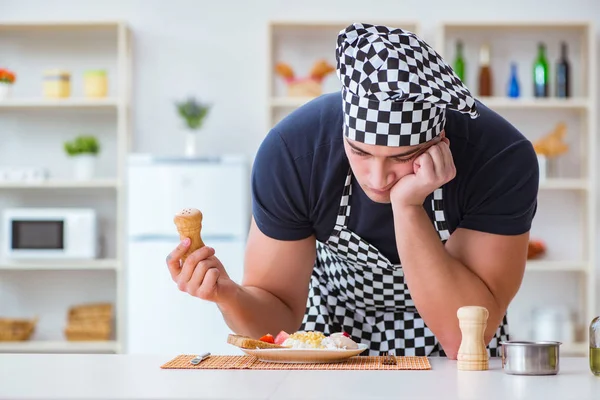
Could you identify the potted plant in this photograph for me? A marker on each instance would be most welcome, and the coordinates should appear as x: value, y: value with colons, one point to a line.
x: 194, y: 113
x: 7, y: 80
x: 83, y: 150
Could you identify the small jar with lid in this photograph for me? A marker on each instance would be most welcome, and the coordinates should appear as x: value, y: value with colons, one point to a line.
x: 595, y: 346
x: 95, y: 83
x: 57, y: 83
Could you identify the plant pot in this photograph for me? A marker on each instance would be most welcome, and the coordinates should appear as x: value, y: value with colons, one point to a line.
x: 84, y: 167
x: 190, y: 144
x: 5, y: 91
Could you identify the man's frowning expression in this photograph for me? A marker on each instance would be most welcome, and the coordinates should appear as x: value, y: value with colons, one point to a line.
x: 378, y: 168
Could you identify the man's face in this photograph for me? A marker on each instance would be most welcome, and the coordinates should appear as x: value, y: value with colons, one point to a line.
x: 378, y: 168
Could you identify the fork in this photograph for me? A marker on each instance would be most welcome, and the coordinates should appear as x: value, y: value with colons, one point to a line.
x: 389, y: 359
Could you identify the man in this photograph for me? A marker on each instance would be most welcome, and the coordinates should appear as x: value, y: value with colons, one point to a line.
x: 403, y: 165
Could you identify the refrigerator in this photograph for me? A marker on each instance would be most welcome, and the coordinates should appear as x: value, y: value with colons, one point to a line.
x: 160, y: 319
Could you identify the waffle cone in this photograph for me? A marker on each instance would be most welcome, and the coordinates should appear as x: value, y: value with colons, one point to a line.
x: 189, y: 225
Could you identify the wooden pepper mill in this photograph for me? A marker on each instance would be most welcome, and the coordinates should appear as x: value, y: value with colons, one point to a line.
x: 472, y: 353
x: 189, y: 225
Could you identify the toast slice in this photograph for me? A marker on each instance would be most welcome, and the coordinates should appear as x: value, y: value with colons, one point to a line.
x: 249, y: 343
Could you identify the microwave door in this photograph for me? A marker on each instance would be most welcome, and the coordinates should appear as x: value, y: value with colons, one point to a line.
x: 37, y: 235
x: 35, y: 238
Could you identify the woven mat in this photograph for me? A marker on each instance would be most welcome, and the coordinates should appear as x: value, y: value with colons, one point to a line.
x: 249, y: 362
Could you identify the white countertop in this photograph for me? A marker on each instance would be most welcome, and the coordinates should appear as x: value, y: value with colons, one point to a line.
x: 103, y: 376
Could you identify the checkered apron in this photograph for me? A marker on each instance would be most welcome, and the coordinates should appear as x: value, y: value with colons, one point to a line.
x: 356, y: 289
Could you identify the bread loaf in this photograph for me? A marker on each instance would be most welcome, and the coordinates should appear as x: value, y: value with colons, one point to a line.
x: 249, y: 343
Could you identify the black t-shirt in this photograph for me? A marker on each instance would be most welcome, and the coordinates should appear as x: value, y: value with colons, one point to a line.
x: 300, y: 169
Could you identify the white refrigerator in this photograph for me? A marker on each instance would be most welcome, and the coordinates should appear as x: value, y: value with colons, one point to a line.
x: 160, y: 319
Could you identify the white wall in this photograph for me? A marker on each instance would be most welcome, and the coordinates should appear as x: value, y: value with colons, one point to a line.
x: 218, y: 50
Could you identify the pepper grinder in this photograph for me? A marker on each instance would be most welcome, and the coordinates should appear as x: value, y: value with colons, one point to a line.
x: 472, y: 353
x: 189, y: 225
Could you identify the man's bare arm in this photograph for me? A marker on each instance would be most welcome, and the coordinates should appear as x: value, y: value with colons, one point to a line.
x: 274, y: 290
x: 474, y: 268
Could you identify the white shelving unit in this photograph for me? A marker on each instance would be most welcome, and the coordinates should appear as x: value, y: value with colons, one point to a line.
x: 46, y: 288
x: 300, y: 44
x: 566, y: 215
x: 569, y: 265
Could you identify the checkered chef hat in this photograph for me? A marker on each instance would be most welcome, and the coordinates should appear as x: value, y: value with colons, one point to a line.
x: 395, y: 87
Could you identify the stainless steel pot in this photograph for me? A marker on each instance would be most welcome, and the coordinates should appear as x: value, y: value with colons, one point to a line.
x: 530, y: 358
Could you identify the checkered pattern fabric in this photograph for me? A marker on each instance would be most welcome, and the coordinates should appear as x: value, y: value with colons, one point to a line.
x: 437, y: 206
x: 356, y: 289
x: 395, y: 87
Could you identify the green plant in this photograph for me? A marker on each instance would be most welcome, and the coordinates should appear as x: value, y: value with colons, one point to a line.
x: 193, y: 111
x: 82, y: 144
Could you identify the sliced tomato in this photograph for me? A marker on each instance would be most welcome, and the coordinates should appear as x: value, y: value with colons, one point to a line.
x: 281, y: 336
x: 267, y: 338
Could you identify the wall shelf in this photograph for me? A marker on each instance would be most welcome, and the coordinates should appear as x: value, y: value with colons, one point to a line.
x: 59, y: 346
x: 32, y: 103
x: 100, y: 264
x: 61, y: 25
x: 557, y: 266
x: 564, y: 184
x: 491, y: 102
x: 535, y: 103
x: 289, y: 102
x: 63, y: 184
x: 511, y: 25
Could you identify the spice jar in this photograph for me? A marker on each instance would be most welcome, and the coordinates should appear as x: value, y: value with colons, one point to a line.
x: 595, y: 346
x: 95, y: 83
x: 57, y: 83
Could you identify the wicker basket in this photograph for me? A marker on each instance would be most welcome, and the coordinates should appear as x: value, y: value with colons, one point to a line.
x: 304, y: 88
x: 91, y: 312
x: 14, y: 330
x: 82, y: 331
x: 88, y: 322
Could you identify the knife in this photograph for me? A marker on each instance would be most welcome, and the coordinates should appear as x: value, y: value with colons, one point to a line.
x: 198, y: 359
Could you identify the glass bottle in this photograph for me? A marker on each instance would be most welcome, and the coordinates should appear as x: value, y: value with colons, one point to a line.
x: 595, y: 346
x: 513, y: 83
x: 459, y: 61
x: 485, y: 71
x: 540, y: 73
x: 562, y: 73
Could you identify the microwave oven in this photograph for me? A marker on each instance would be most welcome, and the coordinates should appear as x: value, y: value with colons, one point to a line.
x: 52, y: 233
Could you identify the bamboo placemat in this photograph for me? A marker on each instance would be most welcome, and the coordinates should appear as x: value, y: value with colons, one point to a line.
x: 250, y: 362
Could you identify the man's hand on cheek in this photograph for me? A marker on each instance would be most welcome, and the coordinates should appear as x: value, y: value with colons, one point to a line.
x: 431, y: 170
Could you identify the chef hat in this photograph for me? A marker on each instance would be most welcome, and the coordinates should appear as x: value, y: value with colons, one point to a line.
x: 395, y: 87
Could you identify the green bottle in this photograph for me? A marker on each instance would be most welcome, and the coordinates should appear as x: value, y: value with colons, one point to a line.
x: 459, y: 61
x: 540, y: 73
x: 595, y: 346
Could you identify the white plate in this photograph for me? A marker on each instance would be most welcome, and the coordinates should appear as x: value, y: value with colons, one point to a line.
x: 304, y: 356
